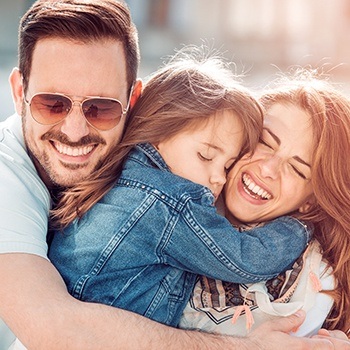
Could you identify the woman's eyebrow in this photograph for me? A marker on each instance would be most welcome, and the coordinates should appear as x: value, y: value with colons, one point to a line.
x: 300, y: 160
x: 278, y: 141
x: 274, y: 136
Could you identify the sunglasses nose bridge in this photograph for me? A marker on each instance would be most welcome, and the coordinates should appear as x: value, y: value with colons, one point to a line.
x: 79, y: 104
x: 75, y: 124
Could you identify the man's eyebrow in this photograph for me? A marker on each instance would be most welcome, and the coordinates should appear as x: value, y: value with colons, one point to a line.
x: 278, y: 141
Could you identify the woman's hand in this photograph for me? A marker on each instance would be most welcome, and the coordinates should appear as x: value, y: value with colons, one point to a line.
x: 274, y: 335
x: 338, y: 338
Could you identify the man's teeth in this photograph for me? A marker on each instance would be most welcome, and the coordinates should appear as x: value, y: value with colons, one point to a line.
x: 73, y: 151
x: 254, y: 188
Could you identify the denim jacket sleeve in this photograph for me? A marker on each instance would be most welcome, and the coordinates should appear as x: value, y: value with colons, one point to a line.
x: 205, y: 243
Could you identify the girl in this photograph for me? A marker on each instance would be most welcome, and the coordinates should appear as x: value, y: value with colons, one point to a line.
x: 155, y: 226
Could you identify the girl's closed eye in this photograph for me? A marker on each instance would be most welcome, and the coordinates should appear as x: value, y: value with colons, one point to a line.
x: 202, y: 157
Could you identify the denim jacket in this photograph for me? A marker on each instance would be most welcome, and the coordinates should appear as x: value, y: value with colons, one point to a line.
x: 142, y: 245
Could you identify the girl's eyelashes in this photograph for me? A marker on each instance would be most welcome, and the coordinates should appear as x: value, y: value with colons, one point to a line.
x: 201, y: 157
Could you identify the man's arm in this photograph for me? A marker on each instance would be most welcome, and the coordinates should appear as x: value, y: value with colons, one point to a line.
x: 37, y: 307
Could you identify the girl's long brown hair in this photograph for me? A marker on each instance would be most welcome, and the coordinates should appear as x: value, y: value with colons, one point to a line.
x: 191, y: 88
x: 330, y: 115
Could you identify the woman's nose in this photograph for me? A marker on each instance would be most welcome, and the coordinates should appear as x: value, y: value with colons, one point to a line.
x: 270, y: 166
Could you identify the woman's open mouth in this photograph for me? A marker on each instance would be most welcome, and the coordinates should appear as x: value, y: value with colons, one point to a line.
x: 254, y: 190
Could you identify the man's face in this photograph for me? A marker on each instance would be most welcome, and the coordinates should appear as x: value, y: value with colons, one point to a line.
x: 69, y: 151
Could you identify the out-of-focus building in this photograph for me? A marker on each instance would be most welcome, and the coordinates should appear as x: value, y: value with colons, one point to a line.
x: 260, y: 36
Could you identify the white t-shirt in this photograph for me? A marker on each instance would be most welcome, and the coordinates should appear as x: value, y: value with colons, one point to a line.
x: 24, y: 202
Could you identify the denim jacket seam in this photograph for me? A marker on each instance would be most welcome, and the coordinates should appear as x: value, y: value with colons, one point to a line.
x: 304, y: 228
x: 204, y: 237
x: 112, y: 245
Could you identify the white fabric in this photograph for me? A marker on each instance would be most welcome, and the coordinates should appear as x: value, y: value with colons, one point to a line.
x: 24, y: 203
x: 303, y: 295
x: 24, y: 199
x: 17, y: 345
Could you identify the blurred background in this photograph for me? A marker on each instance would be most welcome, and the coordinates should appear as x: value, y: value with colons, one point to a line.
x: 261, y: 36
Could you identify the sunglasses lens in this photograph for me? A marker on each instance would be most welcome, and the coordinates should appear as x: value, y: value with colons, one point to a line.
x: 102, y: 113
x: 49, y: 108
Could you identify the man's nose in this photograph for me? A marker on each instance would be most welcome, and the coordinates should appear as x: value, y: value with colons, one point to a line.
x: 75, y: 126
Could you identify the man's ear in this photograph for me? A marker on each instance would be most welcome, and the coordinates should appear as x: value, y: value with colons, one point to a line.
x: 17, y: 92
x: 136, y: 92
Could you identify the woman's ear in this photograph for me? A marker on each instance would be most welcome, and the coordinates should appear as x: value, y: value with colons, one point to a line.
x: 16, y: 84
x: 136, y: 92
x: 305, y: 208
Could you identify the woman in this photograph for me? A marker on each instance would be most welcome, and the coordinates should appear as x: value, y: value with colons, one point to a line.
x: 306, y: 133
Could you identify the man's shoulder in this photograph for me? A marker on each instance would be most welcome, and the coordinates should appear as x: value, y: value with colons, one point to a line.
x: 16, y: 165
x: 11, y: 135
x: 12, y: 145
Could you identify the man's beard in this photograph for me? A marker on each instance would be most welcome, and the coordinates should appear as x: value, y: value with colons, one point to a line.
x: 43, y: 165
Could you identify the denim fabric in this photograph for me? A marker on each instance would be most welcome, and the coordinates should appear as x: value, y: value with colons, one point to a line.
x: 142, y: 245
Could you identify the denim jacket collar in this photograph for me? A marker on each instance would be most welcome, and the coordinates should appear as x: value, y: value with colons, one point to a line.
x: 152, y: 156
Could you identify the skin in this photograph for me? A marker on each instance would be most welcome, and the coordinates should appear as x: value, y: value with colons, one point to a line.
x: 80, y: 70
x: 263, y: 186
x: 204, y: 154
x: 34, y: 297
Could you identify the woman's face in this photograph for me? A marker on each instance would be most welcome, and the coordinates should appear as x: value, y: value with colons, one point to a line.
x: 276, y: 179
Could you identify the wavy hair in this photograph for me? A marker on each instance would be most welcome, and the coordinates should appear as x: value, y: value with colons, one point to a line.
x: 330, y: 117
x: 183, y: 94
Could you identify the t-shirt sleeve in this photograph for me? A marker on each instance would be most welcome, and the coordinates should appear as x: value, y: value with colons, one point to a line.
x: 24, y: 203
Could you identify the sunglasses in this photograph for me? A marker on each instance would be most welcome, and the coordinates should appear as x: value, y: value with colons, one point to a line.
x: 100, y: 112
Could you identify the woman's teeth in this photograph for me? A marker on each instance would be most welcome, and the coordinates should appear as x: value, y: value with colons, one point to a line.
x: 254, y: 189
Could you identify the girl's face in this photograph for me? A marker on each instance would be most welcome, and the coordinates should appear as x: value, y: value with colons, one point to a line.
x: 276, y: 179
x: 203, y: 154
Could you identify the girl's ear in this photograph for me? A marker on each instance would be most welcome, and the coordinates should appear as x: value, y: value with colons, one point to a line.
x: 136, y: 92
x: 16, y: 84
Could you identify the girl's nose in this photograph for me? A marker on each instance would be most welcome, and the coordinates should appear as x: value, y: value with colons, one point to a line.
x: 218, y: 178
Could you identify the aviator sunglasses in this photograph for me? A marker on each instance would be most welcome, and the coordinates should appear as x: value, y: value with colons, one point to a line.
x: 100, y: 112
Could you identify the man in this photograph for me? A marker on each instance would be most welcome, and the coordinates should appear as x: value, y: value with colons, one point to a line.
x: 77, y: 73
